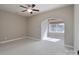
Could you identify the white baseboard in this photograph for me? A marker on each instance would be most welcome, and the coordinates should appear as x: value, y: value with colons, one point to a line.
x: 69, y: 46
x: 72, y: 49
x: 29, y: 37
x: 13, y: 40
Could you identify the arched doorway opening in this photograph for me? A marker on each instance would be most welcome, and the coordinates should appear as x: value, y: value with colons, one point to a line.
x: 53, y: 30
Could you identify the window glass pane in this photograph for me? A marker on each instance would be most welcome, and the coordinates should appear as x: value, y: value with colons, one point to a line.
x: 56, y: 27
x: 53, y: 27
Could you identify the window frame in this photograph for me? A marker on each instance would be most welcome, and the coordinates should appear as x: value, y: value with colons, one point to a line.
x: 56, y: 25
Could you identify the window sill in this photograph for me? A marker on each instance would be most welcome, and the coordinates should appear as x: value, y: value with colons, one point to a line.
x: 57, y: 32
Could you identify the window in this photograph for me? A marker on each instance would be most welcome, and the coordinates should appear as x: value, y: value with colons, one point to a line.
x: 56, y: 27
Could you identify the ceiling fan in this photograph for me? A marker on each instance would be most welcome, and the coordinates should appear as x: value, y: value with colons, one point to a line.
x: 29, y: 8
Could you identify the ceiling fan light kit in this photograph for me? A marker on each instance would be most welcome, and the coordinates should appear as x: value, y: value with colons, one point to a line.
x: 29, y: 8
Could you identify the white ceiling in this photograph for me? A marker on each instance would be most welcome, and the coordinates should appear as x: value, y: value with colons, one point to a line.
x: 14, y: 8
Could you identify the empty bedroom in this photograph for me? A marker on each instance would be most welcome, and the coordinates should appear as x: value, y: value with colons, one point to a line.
x: 37, y: 29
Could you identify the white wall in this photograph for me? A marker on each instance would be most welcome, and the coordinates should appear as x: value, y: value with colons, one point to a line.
x: 56, y: 35
x: 12, y: 26
x: 76, y: 24
x: 44, y: 29
x: 65, y: 13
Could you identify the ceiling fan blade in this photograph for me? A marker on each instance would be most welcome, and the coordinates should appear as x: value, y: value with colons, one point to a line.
x: 23, y: 10
x: 23, y: 6
x: 35, y: 9
x: 33, y: 5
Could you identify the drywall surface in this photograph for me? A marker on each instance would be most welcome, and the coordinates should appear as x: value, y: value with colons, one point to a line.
x: 76, y: 24
x: 12, y: 26
x: 44, y: 29
x: 65, y: 13
x: 56, y: 35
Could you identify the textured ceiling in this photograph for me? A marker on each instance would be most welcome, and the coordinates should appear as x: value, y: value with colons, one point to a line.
x: 14, y: 8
